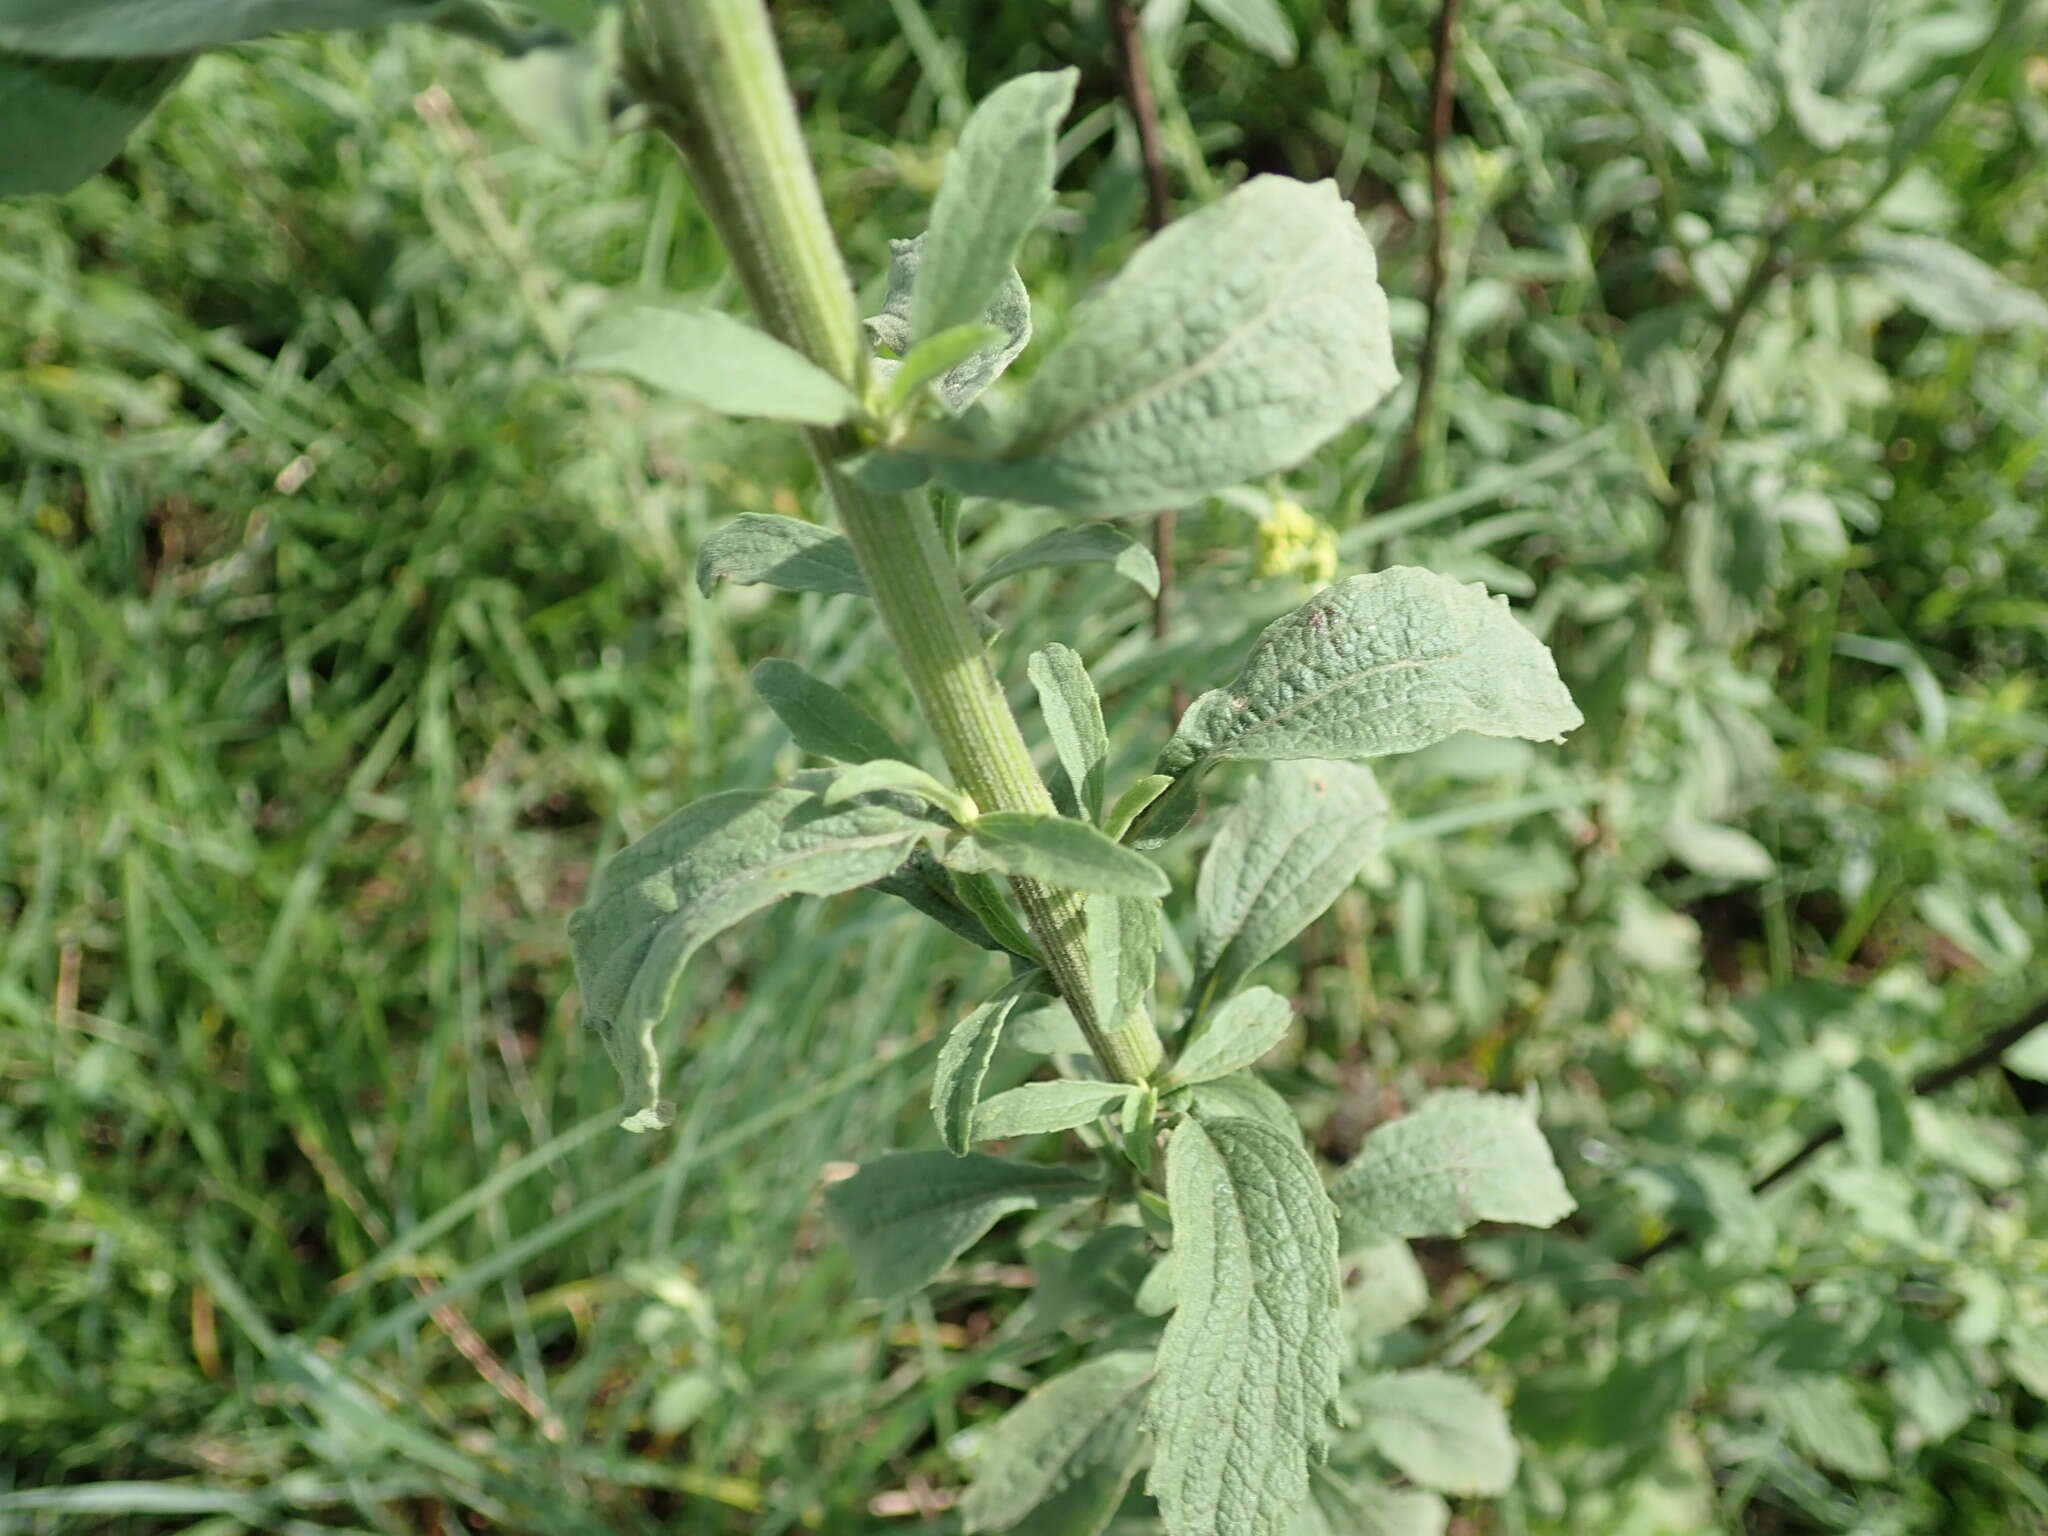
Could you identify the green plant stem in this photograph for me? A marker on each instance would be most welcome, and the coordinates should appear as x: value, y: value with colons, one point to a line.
x: 711, y: 70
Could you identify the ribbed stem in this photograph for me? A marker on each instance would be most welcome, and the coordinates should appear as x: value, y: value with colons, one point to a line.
x: 712, y: 68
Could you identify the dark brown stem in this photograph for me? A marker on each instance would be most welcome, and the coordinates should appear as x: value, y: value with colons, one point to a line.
x: 1437, y: 131
x: 1983, y: 1054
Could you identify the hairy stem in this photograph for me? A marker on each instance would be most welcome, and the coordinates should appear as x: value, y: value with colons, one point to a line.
x: 711, y: 70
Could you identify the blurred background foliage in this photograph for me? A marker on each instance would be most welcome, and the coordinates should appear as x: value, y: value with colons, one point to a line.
x: 344, y: 631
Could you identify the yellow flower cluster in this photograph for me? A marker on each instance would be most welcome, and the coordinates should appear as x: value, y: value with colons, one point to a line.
x: 1294, y: 543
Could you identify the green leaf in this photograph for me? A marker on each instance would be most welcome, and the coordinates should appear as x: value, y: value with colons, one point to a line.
x: 1057, y: 850
x: 1287, y: 849
x: 1361, y: 1506
x: 998, y: 181
x: 1441, y: 1430
x: 963, y: 1064
x: 712, y: 360
x: 1236, y: 1035
x: 756, y: 548
x: 1062, y: 1457
x: 928, y: 886
x: 1073, y: 718
x: 933, y: 357
x: 1259, y: 24
x: 1083, y: 544
x: 1247, y: 1368
x: 1825, y: 1420
x: 824, y: 721
x: 702, y: 870
x: 1392, y: 662
x: 62, y: 120
x: 1931, y: 1378
x: 2029, y: 1055
x: 1036, y: 1109
x: 887, y: 773
x: 1046, y: 1028
x: 1387, y: 1291
x: 1877, y: 1124
x: 910, y: 1214
x: 1460, y: 1157
x: 1231, y: 346
x: 1950, y: 286
x: 127, y: 29
x: 1123, y: 935
x: 1008, y: 311
x: 1722, y: 853
x: 984, y: 898
x: 1244, y: 1096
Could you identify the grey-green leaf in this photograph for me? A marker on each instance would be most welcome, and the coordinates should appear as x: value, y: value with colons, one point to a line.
x: 1247, y: 1368
x: 757, y: 548
x: 1441, y: 1430
x: 823, y: 720
x: 1057, y: 850
x: 1359, y: 1506
x: 888, y: 773
x: 910, y: 1214
x: 1391, y: 662
x: 1068, y: 1449
x: 1036, y: 1109
x: 712, y: 360
x: 1245, y: 1096
x: 1460, y: 1157
x: 1259, y: 24
x: 1231, y: 346
x: 133, y: 29
x: 1950, y: 286
x: 998, y: 181
x: 927, y: 885
x: 62, y: 120
x: 1122, y: 938
x: 1236, y: 1035
x: 1082, y: 544
x: 1294, y: 840
x: 932, y: 359
x: 1073, y: 718
x: 702, y: 870
x: 963, y: 1063
x: 1008, y: 311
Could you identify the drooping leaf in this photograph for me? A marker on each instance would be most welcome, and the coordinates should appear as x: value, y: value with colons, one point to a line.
x: 908, y: 1215
x: 1073, y: 718
x: 133, y: 29
x: 1036, y: 1109
x: 984, y: 898
x: 1288, y: 848
x: 927, y: 885
x: 62, y: 120
x: 1441, y: 1430
x: 963, y: 1064
x: 1062, y: 1457
x: 1259, y: 24
x: 714, y: 361
x: 756, y: 548
x: 1236, y: 1035
x: 1082, y: 544
x: 1458, y: 1158
x: 1247, y: 1368
x: 1951, y: 287
x: 702, y: 870
x: 1231, y: 346
x: 1057, y: 850
x: 824, y: 721
x: 1008, y: 311
x: 998, y: 181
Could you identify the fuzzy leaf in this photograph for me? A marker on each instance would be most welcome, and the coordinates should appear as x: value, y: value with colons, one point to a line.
x: 1236, y: 1035
x: 1287, y: 849
x: 699, y: 872
x: 1057, y: 850
x: 1231, y: 346
x: 1073, y: 718
x: 1359, y: 1506
x: 910, y: 1214
x: 1245, y: 1096
x: 1441, y: 1430
x: 1008, y: 311
x: 1036, y: 1109
x: 1123, y: 938
x: 932, y: 359
x: 1133, y: 802
x: 928, y: 886
x: 887, y: 773
x: 756, y: 548
x: 1951, y: 287
x: 712, y: 360
x: 824, y: 721
x: 133, y: 29
x: 963, y: 1063
x: 1064, y: 1455
x: 1083, y: 544
x: 1460, y: 1157
x: 1247, y: 1367
x: 62, y: 120
x: 1259, y: 24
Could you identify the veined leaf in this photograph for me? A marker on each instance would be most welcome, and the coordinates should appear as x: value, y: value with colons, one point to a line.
x: 910, y: 1214
x: 1008, y: 311
x: 1288, y: 848
x: 1458, y: 1158
x: 1123, y: 938
x: 998, y: 181
x: 756, y: 548
x: 702, y: 870
x: 1065, y: 1454
x: 824, y: 721
x: 1073, y: 718
x: 933, y: 357
x: 1083, y: 544
x: 62, y: 120
x: 1035, y: 1109
x: 715, y: 361
x: 1057, y: 850
x: 963, y: 1063
x: 1236, y: 1035
x: 887, y: 773
x: 1259, y: 24
x: 1247, y: 1368
x: 1244, y: 1095
x: 1440, y: 1430
x: 133, y: 29
x: 1231, y: 346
